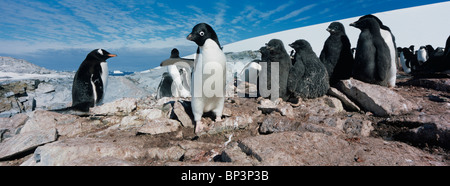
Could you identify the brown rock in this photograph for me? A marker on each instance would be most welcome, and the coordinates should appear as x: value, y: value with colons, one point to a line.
x: 374, y: 98
x: 347, y: 103
x: 306, y: 148
x: 159, y: 126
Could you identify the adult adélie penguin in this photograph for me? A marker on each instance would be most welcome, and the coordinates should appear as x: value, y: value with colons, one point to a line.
x: 208, y: 77
x: 373, y: 62
x: 389, y: 39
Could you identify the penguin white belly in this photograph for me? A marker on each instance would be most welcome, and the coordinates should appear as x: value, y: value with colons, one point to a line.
x: 94, y: 90
x: 209, y: 70
x: 403, y: 61
x: 387, y: 37
x: 178, y: 90
x: 422, y: 55
x: 104, y: 76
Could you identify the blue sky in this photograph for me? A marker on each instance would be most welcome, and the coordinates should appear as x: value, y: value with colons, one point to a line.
x: 58, y: 34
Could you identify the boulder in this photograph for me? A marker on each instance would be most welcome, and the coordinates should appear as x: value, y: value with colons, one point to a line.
x: 67, y: 125
x: 78, y: 150
x: 182, y: 115
x: 25, y: 142
x: 9, y: 126
x: 347, y: 103
x: 379, y: 100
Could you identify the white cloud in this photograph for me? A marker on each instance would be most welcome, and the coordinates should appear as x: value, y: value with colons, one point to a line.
x: 278, y: 9
x: 295, y: 13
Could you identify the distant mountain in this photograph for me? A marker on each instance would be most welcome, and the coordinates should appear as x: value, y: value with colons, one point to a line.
x: 9, y: 64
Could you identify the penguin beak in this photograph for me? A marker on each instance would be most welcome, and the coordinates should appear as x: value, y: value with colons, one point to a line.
x: 112, y: 55
x: 353, y: 24
x: 189, y: 37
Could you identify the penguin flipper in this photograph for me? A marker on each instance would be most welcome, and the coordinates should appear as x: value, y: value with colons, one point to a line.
x: 382, y: 65
x: 295, y: 73
x: 99, y: 88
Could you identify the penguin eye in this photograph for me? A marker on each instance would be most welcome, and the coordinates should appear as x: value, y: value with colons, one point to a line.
x: 201, y: 33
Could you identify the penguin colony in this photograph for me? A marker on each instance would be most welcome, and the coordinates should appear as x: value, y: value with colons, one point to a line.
x: 302, y: 74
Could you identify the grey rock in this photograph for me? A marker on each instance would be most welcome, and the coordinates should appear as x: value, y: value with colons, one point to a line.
x: 78, y: 150
x: 44, y: 88
x: 274, y: 123
x: 182, y: 115
x: 120, y: 107
x: 358, y: 127
x: 230, y: 124
x: 11, y: 126
x: 150, y: 114
x: 25, y: 142
x: 374, y: 98
x: 267, y: 106
x: 347, y: 103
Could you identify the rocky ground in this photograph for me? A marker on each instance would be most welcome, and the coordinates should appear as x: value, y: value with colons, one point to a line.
x: 356, y: 124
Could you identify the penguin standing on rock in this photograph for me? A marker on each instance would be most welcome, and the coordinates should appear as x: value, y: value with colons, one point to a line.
x: 373, y: 62
x: 208, y: 77
x: 336, y: 54
x: 389, y: 39
x: 90, y: 81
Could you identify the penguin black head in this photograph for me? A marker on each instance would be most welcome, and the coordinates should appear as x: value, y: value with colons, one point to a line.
x: 301, y: 44
x: 382, y: 26
x: 366, y: 22
x: 175, y: 53
x: 201, y: 32
x: 100, y: 54
x: 276, y: 46
x: 336, y: 27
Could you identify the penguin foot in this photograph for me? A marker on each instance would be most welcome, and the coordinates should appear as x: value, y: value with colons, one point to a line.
x: 218, y: 119
x: 199, y: 127
x: 299, y: 102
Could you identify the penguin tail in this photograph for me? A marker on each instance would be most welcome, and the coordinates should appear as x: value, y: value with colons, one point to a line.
x: 71, y: 111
